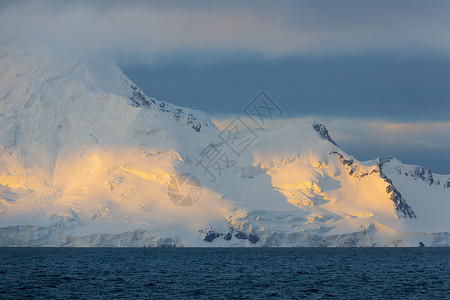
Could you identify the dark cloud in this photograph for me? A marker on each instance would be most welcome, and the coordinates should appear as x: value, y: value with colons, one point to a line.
x: 271, y: 28
x: 394, y: 87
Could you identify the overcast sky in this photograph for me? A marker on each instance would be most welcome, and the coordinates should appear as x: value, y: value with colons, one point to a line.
x: 377, y: 73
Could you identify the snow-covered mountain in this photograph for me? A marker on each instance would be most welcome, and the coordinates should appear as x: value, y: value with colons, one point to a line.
x: 87, y: 159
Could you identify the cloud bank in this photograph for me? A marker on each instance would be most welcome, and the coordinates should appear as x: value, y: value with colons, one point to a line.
x: 271, y: 28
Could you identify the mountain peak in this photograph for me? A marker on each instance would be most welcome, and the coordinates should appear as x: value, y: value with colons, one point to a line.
x: 323, y: 132
x: 84, y: 151
x: 28, y: 73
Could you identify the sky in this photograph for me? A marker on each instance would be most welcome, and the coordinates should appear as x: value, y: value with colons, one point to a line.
x: 376, y: 73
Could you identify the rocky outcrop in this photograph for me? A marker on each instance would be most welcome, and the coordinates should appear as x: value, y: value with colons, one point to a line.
x: 414, y: 172
x: 352, y: 167
x: 323, y: 132
x: 403, y: 210
x: 139, y: 99
x: 210, y: 235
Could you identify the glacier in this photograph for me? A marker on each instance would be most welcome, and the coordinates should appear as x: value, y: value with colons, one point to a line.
x: 87, y: 158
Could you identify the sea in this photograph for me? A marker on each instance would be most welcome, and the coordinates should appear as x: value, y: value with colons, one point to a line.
x: 225, y: 273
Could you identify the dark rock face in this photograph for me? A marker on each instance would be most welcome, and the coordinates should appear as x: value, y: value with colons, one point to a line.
x: 139, y: 99
x: 241, y: 236
x: 195, y: 124
x: 345, y: 162
x: 250, y: 237
x: 399, y: 202
x: 323, y: 132
x: 253, y: 238
x: 352, y: 168
x: 211, y: 235
x: 422, y: 174
x: 421, y: 245
x: 228, y: 236
x: 419, y: 173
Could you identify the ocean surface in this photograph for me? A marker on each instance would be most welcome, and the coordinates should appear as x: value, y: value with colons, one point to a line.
x: 223, y: 273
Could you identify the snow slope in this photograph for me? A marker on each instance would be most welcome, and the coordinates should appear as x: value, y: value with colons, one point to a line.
x: 87, y: 159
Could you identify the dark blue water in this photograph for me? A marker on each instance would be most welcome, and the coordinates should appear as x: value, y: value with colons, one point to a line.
x: 220, y: 273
